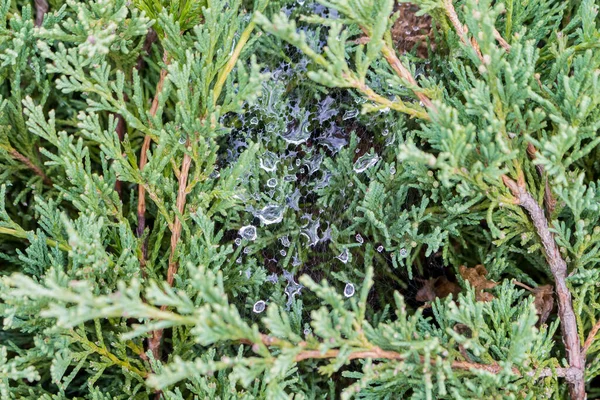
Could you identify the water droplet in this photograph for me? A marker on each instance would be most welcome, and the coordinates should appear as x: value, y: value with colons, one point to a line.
x: 403, y: 252
x: 324, y: 182
x: 273, y: 278
x: 182, y: 140
x: 295, y: 261
x: 272, y: 182
x: 364, y: 162
x: 314, y: 163
x: 299, y: 133
x: 285, y: 241
x: 271, y: 214
x: 246, y: 250
x: 385, y: 132
x: 248, y: 273
x: 239, y: 260
x: 392, y: 170
x: 238, y: 241
x: 350, y: 114
x: 359, y: 238
x: 310, y: 231
x: 254, y: 121
x: 293, y: 200
x: 248, y: 232
x: 379, y: 249
x: 301, y: 2
x: 282, y: 252
x: 344, y: 256
x: 259, y: 306
x: 269, y: 161
x: 292, y: 289
x: 307, y: 331
x: 349, y: 290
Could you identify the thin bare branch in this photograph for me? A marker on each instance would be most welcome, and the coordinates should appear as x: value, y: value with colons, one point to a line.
x: 37, y: 170
x: 41, y: 8
x: 378, y: 353
x: 549, y: 201
x: 141, y: 208
x: 501, y: 40
x: 558, y: 268
x: 121, y: 128
x: 461, y: 30
x: 590, y: 339
x: 404, y: 73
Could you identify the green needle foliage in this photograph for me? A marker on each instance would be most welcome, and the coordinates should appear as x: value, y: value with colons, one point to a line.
x: 267, y: 199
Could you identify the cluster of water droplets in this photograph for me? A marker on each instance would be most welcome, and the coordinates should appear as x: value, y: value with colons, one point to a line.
x: 285, y: 228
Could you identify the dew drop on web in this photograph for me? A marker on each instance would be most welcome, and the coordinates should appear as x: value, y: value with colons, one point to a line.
x: 349, y: 290
x: 364, y: 162
x: 344, y: 256
x: 247, y: 232
x: 271, y: 214
x: 259, y: 306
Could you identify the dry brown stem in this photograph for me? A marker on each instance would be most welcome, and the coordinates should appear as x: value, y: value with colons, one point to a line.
x: 461, y: 30
x: 141, y: 208
x: 41, y: 8
x: 378, y: 353
x: 558, y: 268
x: 590, y: 339
x: 37, y: 170
x: 121, y: 128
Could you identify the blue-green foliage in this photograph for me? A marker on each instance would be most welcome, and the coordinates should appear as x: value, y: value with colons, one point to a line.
x: 324, y: 195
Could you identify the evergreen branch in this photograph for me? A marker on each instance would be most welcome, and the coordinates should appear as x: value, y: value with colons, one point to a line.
x: 102, y: 351
x: 397, y: 105
x: 233, y: 60
x: 404, y: 73
x: 590, y: 339
x: 37, y: 170
x: 155, y: 340
x: 558, y: 268
x: 376, y: 352
x: 22, y: 234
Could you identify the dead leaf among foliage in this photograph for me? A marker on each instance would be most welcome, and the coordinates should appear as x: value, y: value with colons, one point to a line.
x: 437, y: 287
x: 476, y: 276
x: 544, y: 300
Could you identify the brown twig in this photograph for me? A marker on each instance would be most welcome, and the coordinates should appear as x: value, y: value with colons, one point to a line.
x: 41, y: 8
x: 558, y: 268
x: 549, y: 201
x: 590, y: 339
x: 501, y: 40
x: 151, y: 37
x: 461, y: 30
x: 121, y: 128
x: 141, y: 208
x: 378, y: 353
x: 154, y: 341
x: 404, y: 73
x: 37, y: 170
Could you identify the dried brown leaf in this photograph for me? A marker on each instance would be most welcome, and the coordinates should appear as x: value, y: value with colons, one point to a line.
x: 437, y: 287
x: 477, y: 278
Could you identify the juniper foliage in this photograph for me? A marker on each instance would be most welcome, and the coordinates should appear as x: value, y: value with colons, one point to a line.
x: 235, y: 199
